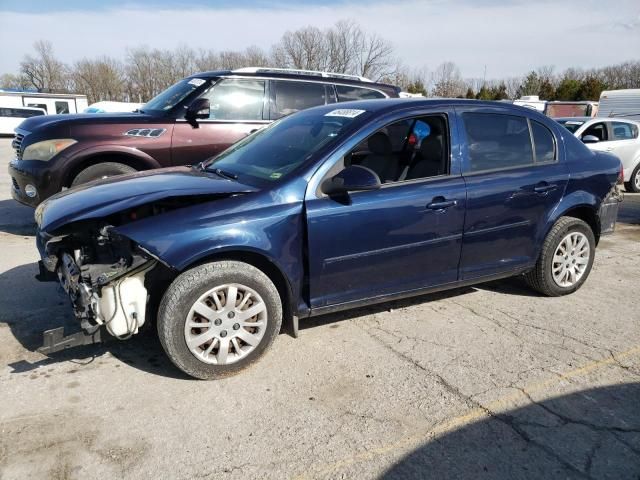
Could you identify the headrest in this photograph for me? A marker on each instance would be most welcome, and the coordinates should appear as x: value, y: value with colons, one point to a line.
x: 380, y: 144
x: 431, y: 147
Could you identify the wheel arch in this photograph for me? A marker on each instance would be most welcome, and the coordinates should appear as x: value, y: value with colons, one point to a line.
x: 583, y: 207
x: 133, y: 160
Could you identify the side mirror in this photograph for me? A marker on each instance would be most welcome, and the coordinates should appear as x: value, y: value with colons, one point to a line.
x: 590, y: 139
x: 352, y: 179
x: 199, y: 108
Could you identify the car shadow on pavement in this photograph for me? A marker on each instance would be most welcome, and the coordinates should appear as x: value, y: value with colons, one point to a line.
x: 16, y: 219
x: 592, y: 433
x: 30, y: 307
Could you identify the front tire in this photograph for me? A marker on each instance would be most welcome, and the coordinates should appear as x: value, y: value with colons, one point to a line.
x: 217, y: 319
x: 101, y: 170
x: 565, y: 260
x: 633, y: 185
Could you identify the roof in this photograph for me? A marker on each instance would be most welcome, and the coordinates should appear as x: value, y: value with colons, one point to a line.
x: 285, y: 73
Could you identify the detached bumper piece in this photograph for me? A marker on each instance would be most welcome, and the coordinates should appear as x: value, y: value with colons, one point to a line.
x: 609, y: 212
x: 55, y: 341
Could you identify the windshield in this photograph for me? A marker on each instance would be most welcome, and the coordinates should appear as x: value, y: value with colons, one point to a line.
x: 173, y: 95
x: 271, y: 153
x: 571, y: 125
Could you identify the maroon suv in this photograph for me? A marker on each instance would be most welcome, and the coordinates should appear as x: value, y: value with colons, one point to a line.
x: 189, y: 122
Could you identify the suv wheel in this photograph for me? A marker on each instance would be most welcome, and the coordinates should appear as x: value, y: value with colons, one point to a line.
x: 219, y: 318
x: 101, y: 170
x: 633, y: 185
x: 566, y: 258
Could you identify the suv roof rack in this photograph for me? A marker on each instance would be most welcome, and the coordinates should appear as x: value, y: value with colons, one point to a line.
x: 295, y: 71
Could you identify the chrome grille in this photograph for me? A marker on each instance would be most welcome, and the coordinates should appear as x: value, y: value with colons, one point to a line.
x: 17, y: 144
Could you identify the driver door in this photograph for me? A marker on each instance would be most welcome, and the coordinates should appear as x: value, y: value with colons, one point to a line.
x: 374, y: 243
x: 238, y: 107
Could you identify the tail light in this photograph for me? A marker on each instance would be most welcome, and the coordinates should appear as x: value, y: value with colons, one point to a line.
x: 621, y: 175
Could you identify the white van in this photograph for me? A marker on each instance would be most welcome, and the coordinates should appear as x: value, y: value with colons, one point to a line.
x: 51, y: 103
x: 11, y: 117
x: 620, y: 103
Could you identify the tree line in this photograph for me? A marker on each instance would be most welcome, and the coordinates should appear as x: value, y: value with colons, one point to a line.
x: 343, y: 48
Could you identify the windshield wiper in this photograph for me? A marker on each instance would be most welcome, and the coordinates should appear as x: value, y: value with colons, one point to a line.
x: 225, y: 174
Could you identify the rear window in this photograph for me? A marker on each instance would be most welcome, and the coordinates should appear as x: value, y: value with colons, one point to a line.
x: 347, y: 93
x: 291, y: 97
x: 497, y: 141
x: 544, y: 143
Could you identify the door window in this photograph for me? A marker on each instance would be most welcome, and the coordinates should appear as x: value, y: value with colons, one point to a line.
x: 497, y: 141
x: 597, y: 130
x: 236, y: 99
x: 62, y: 107
x: 409, y: 149
x: 545, y: 146
x: 348, y: 92
x: 624, y: 131
x: 291, y: 97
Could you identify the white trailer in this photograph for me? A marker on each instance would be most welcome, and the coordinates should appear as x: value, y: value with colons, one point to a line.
x: 51, y: 103
x: 620, y: 103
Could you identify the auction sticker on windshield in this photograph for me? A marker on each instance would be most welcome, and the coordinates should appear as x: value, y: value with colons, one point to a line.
x: 344, y: 112
x: 196, y: 81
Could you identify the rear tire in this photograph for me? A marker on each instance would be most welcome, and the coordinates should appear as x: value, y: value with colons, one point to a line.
x: 189, y: 302
x: 633, y: 185
x: 101, y: 170
x: 565, y: 260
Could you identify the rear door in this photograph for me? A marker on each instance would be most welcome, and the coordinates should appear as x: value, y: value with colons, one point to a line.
x: 238, y: 107
x: 514, y: 181
x: 406, y: 235
x: 624, y: 143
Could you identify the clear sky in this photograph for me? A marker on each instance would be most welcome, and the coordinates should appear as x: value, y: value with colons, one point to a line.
x: 509, y: 37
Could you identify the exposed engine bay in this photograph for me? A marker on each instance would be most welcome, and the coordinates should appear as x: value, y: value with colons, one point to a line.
x: 103, y: 274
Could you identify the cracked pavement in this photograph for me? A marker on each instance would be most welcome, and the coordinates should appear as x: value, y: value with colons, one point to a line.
x: 490, y: 381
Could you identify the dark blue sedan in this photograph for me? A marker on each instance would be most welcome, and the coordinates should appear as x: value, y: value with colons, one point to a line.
x: 328, y: 209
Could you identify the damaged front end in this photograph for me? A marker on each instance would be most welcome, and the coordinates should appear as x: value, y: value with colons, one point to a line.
x: 103, y: 274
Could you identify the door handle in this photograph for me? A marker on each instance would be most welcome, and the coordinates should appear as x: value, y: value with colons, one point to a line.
x: 544, y: 188
x: 440, y: 203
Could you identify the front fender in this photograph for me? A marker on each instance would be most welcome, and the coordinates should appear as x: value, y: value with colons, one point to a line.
x: 139, y: 156
x: 184, y: 237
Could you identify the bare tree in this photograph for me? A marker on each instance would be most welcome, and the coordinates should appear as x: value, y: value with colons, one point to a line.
x: 43, y: 70
x: 16, y: 82
x: 101, y: 79
x: 447, y: 81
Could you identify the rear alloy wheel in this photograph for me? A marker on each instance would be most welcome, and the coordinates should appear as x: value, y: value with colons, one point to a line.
x: 565, y: 260
x: 100, y: 171
x: 633, y: 185
x: 218, y: 318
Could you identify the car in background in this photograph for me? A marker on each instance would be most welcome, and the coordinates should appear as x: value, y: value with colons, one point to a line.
x: 613, y: 135
x: 11, y: 117
x: 328, y: 209
x: 112, y: 107
x: 191, y: 121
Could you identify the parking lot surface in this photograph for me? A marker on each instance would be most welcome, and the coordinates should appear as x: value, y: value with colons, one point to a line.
x: 491, y: 381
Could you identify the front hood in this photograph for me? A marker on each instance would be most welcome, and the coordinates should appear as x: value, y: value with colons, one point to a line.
x: 105, y: 197
x: 34, y: 124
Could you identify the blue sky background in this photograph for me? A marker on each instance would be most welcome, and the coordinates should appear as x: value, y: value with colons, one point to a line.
x: 509, y: 37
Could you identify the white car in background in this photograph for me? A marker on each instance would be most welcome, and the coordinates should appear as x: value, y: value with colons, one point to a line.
x: 112, y: 107
x: 615, y: 135
x: 11, y: 117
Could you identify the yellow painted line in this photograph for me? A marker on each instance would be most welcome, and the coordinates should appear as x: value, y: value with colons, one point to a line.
x: 471, y: 415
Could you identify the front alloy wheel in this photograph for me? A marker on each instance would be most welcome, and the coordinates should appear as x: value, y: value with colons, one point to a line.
x: 218, y: 318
